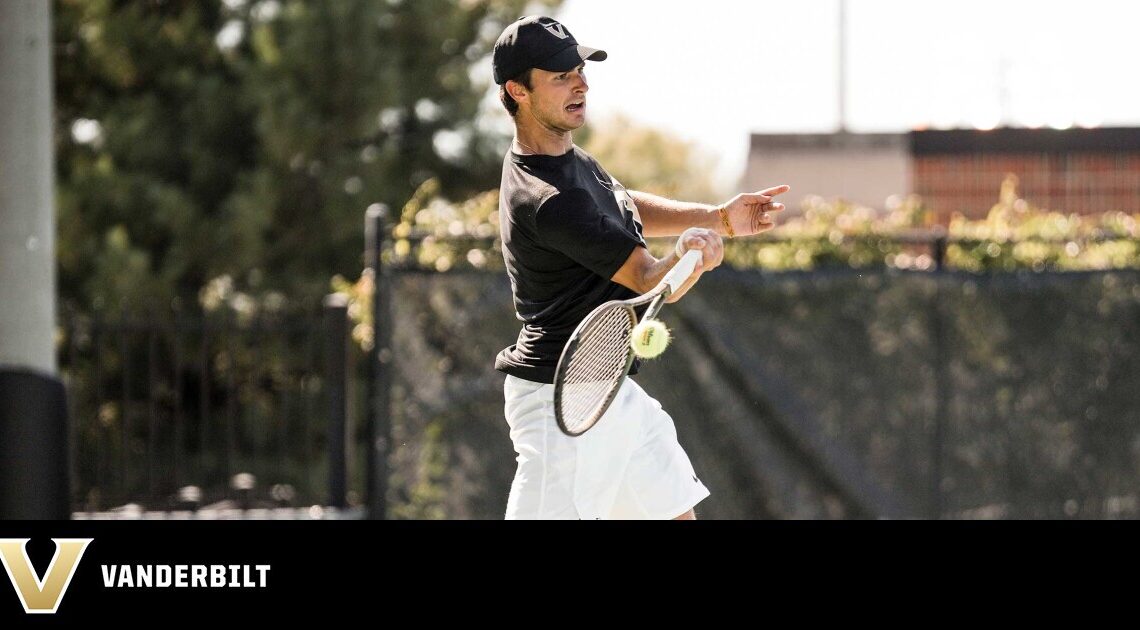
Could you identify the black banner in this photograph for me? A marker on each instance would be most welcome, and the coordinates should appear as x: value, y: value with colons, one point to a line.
x: 142, y: 573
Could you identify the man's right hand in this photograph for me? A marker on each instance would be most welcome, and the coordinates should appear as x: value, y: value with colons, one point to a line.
x: 707, y: 241
x: 641, y: 271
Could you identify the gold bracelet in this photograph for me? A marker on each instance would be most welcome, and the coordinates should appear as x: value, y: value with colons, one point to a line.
x: 725, y: 221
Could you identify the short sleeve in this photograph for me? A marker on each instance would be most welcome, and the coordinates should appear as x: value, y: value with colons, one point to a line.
x: 572, y: 224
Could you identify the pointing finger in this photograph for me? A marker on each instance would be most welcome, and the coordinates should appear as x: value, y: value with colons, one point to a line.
x: 776, y: 190
x: 754, y: 198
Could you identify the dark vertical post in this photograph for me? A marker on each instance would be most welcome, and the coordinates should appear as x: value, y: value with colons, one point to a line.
x: 938, y: 338
x: 231, y: 465
x: 102, y: 447
x: 253, y: 418
x: 73, y: 385
x: 842, y: 47
x: 309, y: 449
x: 179, y: 439
x: 204, y: 405
x: 939, y: 247
x: 379, y: 377
x: 152, y: 456
x: 125, y: 408
x: 284, y: 418
x: 336, y: 335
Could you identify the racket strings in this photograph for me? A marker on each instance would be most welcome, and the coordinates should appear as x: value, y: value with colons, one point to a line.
x: 595, y: 368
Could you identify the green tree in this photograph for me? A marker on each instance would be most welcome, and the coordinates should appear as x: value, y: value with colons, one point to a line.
x: 203, y: 140
x: 152, y: 137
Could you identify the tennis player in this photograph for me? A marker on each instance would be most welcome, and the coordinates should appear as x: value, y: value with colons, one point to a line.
x: 573, y: 238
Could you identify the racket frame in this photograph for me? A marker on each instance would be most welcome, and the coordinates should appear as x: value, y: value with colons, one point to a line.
x: 656, y: 298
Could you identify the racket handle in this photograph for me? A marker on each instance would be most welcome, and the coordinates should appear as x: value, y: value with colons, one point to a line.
x: 682, y: 270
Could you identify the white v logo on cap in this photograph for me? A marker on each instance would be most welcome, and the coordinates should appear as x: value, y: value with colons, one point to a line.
x: 556, y: 29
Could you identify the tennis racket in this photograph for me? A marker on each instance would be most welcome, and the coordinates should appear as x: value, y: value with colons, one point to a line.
x: 598, y: 355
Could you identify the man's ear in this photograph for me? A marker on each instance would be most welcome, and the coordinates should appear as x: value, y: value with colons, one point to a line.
x: 517, y: 90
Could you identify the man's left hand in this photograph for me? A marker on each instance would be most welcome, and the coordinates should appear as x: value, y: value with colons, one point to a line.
x: 753, y: 213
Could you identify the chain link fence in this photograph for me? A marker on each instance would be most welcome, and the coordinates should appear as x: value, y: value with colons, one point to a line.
x: 873, y: 393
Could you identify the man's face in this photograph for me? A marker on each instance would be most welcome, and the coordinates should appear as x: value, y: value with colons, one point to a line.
x: 558, y: 99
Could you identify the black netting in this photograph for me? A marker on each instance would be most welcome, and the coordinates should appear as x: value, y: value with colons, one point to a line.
x: 835, y: 394
x: 808, y: 395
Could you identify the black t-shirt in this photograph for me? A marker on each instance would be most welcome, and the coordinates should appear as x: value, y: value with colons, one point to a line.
x: 567, y: 226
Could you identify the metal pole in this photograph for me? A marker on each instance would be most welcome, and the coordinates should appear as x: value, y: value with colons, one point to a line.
x: 379, y: 378
x: 939, y: 250
x: 842, y: 45
x: 938, y: 337
x: 33, y: 411
x: 336, y: 334
x: 152, y: 455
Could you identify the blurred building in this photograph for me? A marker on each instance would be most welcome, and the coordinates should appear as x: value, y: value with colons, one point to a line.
x: 960, y: 170
x: 862, y: 168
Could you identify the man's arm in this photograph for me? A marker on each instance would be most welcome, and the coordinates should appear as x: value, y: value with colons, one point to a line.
x: 746, y: 213
x: 666, y: 217
x: 641, y: 271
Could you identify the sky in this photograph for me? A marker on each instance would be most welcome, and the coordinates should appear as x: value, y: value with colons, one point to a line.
x: 714, y: 71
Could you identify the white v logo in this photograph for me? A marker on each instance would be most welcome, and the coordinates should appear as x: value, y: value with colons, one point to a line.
x: 556, y: 29
x: 42, y: 595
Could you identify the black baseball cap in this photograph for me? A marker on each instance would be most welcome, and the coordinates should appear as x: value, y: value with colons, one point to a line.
x: 535, y: 41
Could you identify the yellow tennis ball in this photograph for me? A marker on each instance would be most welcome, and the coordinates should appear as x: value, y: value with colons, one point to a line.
x: 650, y: 338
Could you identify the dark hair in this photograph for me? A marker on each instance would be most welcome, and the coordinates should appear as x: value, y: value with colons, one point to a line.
x: 508, y: 102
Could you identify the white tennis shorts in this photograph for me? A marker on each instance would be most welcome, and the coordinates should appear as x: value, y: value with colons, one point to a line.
x: 628, y: 466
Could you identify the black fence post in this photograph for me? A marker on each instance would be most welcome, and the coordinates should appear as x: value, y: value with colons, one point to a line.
x: 152, y: 455
x: 125, y: 489
x: 336, y: 329
x: 938, y: 338
x: 939, y: 247
x: 378, y: 372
